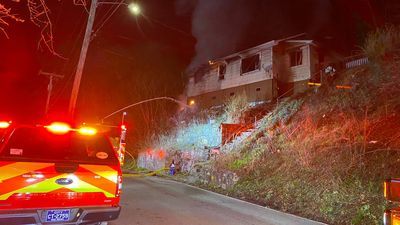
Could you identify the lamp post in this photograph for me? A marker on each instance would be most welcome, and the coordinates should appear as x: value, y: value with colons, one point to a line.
x: 134, y: 8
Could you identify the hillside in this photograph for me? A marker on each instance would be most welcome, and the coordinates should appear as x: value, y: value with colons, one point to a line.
x: 322, y: 155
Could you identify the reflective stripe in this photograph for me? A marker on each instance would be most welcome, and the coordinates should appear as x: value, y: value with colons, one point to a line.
x: 19, y: 168
x: 19, y: 178
x: 29, y: 178
x: 47, y: 185
x: 104, y: 171
x: 96, y: 180
x: 82, y: 186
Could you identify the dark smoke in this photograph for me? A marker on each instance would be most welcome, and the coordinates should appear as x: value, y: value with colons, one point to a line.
x: 218, y: 26
x: 222, y: 27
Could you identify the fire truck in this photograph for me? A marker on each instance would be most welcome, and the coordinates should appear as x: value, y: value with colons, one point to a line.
x: 57, y: 174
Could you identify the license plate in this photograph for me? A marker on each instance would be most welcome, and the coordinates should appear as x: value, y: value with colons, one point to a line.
x: 60, y: 215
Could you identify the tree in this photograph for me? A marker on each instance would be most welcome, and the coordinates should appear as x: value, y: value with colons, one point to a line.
x: 39, y: 15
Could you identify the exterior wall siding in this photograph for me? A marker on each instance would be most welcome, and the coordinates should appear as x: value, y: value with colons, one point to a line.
x: 256, y: 92
x: 274, y: 78
x: 233, y: 77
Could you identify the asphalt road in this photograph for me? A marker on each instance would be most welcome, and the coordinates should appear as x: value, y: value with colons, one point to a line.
x: 156, y: 201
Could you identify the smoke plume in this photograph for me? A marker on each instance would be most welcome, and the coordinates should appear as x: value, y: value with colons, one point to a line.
x: 222, y: 27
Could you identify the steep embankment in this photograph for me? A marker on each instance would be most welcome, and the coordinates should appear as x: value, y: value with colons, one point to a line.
x: 324, y: 154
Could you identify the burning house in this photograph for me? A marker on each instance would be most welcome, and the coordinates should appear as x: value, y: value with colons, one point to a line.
x: 265, y: 72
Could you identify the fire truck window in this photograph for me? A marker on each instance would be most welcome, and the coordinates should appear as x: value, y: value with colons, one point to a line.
x: 35, y: 144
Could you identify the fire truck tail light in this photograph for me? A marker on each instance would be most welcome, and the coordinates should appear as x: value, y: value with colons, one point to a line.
x: 58, y: 128
x: 391, y: 190
x: 391, y: 217
x: 119, y: 189
x: 4, y: 124
x: 87, y: 131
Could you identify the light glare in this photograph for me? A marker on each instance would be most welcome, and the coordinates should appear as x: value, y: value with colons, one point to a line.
x: 4, y: 124
x: 134, y: 8
x: 58, y: 128
x: 87, y: 131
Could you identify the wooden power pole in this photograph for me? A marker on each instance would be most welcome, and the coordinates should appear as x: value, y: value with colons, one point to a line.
x: 82, y: 58
x: 51, y: 77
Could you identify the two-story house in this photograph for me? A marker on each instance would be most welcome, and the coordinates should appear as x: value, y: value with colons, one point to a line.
x: 264, y: 72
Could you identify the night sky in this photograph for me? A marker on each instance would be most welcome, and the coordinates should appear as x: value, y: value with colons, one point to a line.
x: 135, y: 58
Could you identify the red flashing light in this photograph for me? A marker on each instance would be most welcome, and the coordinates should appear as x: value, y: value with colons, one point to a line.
x: 161, y: 154
x: 4, y: 124
x: 58, y: 128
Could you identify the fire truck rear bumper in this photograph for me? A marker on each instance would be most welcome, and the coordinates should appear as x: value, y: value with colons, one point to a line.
x: 81, y: 216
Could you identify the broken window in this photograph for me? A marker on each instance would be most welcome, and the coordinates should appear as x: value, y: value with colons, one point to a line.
x: 296, y: 58
x: 250, y: 64
x: 221, y: 71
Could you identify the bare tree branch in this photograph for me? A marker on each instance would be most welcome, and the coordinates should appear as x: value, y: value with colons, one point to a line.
x: 4, y: 15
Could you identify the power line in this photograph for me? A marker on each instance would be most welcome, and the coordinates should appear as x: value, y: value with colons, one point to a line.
x: 109, y: 16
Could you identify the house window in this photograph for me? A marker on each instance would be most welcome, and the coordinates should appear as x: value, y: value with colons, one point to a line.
x: 214, y: 97
x: 258, y: 89
x: 232, y: 94
x: 221, y: 71
x: 296, y: 58
x: 250, y: 64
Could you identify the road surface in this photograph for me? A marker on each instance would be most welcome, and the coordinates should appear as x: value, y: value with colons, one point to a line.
x: 156, y: 201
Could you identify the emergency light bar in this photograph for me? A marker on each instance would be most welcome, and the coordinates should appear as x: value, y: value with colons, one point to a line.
x: 63, y: 128
x: 58, y: 128
x: 87, y: 131
x: 4, y: 124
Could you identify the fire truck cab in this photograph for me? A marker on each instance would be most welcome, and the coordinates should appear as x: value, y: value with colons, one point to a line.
x: 57, y: 174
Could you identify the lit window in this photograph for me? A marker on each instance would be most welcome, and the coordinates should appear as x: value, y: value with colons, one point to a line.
x: 296, y: 58
x: 251, y: 63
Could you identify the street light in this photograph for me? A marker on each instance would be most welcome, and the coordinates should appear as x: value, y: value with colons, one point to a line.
x: 134, y: 8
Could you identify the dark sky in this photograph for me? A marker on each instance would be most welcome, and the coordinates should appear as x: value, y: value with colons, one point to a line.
x: 131, y: 59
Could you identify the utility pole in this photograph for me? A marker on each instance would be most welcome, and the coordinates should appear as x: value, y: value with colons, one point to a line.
x: 82, y: 58
x: 51, y: 76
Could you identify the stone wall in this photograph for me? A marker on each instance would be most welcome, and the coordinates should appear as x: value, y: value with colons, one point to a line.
x: 205, y: 174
